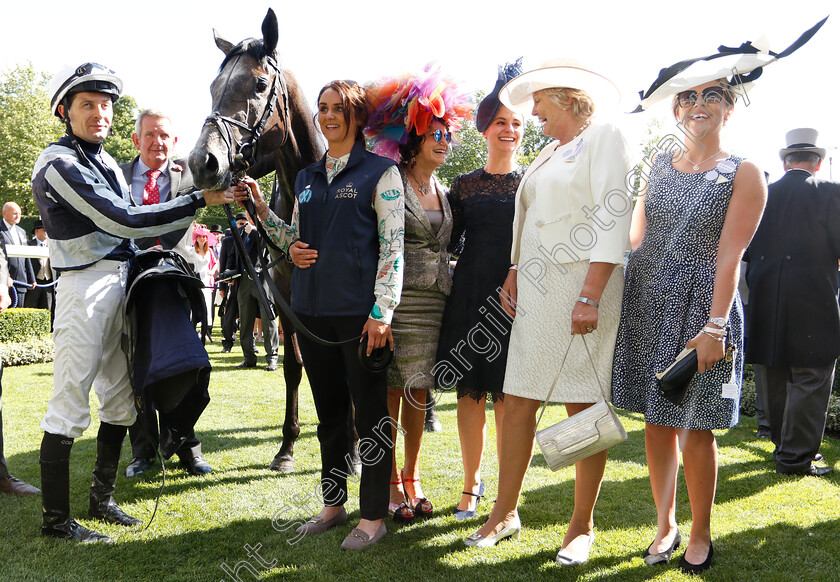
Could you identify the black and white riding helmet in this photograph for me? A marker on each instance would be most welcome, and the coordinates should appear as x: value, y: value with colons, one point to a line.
x: 91, y: 77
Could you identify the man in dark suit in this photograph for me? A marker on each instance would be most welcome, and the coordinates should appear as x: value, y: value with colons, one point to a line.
x: 250, y: 306
x: 8, y: 484
x: 793, y: 314
x: 228, y: 263
x: 153, y: 177
x: 20, y: 269
x: 42, y: 296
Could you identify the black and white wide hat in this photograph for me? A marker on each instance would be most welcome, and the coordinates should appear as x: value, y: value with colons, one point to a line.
x: 741, y: 65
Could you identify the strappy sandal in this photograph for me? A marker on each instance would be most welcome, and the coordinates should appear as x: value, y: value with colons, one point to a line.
x: 461, y: 514
x: 401, y: 512
x: 422, y: 506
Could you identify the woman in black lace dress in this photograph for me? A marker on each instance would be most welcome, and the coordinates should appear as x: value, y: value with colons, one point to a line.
x: 475, y: 331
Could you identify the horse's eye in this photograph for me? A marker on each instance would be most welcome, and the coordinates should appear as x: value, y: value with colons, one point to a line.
x: 262, y: 85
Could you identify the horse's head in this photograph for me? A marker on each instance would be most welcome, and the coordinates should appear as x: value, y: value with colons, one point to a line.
x: 250, y: 116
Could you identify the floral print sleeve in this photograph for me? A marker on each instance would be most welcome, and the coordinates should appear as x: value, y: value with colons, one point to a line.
x: 389, y: 204
x: 280, y: 233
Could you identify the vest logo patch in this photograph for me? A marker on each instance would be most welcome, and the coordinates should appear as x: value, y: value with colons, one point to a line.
x: 347, y: 191
x: 305, y: 196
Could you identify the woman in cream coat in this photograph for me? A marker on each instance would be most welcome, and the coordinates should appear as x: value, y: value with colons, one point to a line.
x: 570, y: 232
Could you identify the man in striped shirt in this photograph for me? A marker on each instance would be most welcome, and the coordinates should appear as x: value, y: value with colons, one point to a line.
x: 84, y: 203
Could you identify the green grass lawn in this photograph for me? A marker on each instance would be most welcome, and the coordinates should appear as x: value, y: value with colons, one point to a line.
x: 765, y: 526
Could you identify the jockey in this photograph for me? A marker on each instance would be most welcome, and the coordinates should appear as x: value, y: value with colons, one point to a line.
x: 84, y: 203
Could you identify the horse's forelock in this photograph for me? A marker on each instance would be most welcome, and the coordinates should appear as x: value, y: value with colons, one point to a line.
x: 253, y: 47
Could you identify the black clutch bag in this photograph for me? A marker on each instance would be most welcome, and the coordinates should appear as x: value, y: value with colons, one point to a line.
x: 674, y: 381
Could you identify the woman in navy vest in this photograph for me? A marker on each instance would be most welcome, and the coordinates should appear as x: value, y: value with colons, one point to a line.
x: 348, y: 226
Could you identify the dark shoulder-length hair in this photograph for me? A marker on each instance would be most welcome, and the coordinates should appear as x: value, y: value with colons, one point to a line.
x: 354, y: 101
x: 410, y: 149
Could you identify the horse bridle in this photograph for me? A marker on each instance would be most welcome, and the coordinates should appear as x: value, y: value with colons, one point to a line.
x: 240, y: 160
x: 241, y: 156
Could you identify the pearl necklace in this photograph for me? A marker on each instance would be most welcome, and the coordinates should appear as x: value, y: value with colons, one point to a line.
x: 583, y: 127
x: 696, y: 167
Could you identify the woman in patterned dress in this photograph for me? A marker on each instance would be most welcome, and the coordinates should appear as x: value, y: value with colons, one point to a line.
x: 700, y: 210
x: 482, y: 210
x: 569, y: 235
x: 346, y: 241
x: 428, y: 108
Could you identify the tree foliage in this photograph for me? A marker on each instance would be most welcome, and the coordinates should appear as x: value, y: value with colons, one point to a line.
x: 119, y: 144
x: 26, y: 127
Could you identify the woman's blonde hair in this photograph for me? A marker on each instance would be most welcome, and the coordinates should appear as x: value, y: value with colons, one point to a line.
x: 578, y: 100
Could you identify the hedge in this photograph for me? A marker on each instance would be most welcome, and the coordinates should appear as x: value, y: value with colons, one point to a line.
x: 22, y: 324
x: 32, y: 351
x: 25, y: 336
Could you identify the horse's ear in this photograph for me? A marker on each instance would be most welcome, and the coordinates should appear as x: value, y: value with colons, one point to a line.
x: 223, y: 45
x: 270, y: 31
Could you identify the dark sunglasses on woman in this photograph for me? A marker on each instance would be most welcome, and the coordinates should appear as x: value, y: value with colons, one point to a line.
x: 710, y: 95
x: 439, y: 135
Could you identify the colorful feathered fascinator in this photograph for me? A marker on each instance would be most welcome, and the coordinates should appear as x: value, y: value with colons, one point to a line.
x: 410, y: 102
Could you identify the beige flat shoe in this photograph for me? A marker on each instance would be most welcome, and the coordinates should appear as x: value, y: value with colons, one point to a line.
x: 359, y: 540
x: 317, y: 524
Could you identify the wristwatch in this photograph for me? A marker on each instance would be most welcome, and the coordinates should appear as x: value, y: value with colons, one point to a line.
x: 589, y: 301
x: 718, y: 321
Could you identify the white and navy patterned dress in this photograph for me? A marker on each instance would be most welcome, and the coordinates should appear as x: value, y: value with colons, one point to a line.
x: 667, y: 297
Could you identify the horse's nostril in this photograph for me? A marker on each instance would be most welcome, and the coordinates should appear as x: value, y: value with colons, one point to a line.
x: 211, y: 164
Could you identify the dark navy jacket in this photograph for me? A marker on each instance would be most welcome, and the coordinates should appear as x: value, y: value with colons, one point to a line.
x: 338, y: 220
x: 792, y: 313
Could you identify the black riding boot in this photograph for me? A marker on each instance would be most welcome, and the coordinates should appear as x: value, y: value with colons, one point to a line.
x: 102, y: 504
x: 55, y: 493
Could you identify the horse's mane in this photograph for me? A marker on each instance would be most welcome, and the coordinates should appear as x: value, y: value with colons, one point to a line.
x: 250, y: 46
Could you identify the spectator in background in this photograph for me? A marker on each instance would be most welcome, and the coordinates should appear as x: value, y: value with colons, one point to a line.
x: 229, y: 289
x: 154, y: 177
x: 8, y: 484
x: 20, y: 269
x: 43, y: 295
x: 793, y: 313
x: 206, y: 267
x: 250, y: 306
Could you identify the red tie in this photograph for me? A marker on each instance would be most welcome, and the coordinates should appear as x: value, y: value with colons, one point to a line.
x: 151, y: 193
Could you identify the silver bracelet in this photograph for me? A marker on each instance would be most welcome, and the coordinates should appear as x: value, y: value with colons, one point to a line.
x: 514, y: 268
x: 714, y: 330
x: 714, y: 337
x: 588, y: 301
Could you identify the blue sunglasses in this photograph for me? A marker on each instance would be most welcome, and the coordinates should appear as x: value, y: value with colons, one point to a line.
x: 439, y: 135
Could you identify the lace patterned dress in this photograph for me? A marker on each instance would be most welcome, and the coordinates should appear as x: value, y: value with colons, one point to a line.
x: 482, y: 211
x: 667, y: 297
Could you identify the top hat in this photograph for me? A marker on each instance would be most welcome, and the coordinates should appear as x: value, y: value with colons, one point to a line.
x: 802, y: 139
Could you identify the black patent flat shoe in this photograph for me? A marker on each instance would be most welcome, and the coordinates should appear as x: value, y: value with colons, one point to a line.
x: 689, y: 568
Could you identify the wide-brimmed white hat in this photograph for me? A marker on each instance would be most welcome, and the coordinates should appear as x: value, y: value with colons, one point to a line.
x: 741, y: 65
x: 802, y: 139
x: 516, y: 95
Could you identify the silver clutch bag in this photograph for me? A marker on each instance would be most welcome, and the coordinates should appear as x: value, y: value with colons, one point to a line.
x: 582, y: 435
